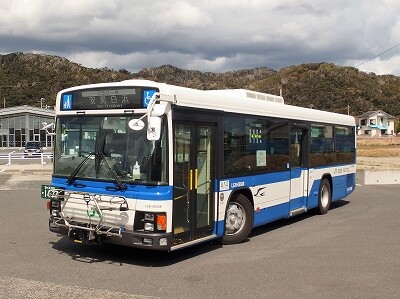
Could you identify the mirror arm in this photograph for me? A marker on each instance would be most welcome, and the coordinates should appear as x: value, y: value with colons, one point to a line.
x: 151, y: 106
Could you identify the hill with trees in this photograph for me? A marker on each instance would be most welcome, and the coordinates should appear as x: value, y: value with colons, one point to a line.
x: 26, y: 78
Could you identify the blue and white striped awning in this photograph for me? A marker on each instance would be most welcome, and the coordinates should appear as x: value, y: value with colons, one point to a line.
x: 377, y: 127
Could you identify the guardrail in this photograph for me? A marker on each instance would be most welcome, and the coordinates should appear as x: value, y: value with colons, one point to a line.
x: 31, y: 156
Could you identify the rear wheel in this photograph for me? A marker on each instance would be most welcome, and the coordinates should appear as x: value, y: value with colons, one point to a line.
x: 324, y: 196
x: 239, y: 220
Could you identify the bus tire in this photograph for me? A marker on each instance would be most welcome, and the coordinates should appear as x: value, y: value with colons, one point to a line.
x: 324, y: 196
x: 239, y: 219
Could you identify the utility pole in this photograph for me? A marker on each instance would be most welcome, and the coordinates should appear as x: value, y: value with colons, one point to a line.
x: 348, y: 109
x: 6, y: 86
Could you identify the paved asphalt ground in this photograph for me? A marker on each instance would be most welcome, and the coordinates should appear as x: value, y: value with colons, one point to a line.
x: 352, y: 252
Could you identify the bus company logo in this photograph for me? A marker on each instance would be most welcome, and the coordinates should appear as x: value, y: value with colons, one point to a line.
x: 94, y: 212
x: 260, y: 192
x: 67, y: 102
x: 147, y: 95
x: 223, y: 185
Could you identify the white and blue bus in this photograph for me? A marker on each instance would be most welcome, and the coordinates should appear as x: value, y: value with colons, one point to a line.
x: 162, y: 167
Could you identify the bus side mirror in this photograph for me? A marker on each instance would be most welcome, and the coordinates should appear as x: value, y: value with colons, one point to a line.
x: 154, y: 128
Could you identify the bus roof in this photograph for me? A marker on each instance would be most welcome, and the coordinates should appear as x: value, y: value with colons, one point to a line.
x: 239, y: 101
x: 233, y: 100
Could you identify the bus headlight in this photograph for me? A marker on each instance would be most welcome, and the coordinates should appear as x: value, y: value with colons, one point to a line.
x: 149, y: 226
x: 148, y: 241
x: 150, y: 222
x: 149, y: 216
x: 54, y: 207
x: 163, y: 242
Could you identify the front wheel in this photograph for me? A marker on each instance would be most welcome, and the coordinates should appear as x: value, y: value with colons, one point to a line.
x: 239, y: 220
x: 324, y: 196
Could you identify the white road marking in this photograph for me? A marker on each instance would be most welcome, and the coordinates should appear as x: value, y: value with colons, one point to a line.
x: 17, y: 288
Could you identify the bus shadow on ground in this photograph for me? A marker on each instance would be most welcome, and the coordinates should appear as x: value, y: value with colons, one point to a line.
x: 120, y: 255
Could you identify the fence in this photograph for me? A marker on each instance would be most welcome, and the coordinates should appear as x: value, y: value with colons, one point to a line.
x: 13, y: 157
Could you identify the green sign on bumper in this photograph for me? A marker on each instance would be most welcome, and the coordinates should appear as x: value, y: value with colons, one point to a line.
x: 45, y: 191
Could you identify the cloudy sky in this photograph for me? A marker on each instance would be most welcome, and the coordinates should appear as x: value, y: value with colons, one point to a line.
x: 206, y: 35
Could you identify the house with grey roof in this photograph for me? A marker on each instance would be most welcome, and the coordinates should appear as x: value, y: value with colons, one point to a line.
x: 375, y: 124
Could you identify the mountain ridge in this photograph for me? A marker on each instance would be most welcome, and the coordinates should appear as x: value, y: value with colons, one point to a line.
x: 26, y: 78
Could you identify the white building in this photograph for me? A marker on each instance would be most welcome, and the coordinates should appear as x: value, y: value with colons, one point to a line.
x: 24, y: 123
x: 375, y: 124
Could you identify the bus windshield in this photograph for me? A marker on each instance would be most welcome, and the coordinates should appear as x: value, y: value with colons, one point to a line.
x: 109, y: 148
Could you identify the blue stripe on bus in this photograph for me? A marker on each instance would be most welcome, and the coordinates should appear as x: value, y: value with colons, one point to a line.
x: 219, y: 229
x: 343, y: 185
x: 261, y: 217
x: 257, y: 180
x: 270, y: 214
x: 134, y: 191
x: 298, y: 202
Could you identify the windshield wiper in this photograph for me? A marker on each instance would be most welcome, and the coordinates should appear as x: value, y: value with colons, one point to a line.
x: 99, y: 157
x: 120, y: 185
x: 75, y: 172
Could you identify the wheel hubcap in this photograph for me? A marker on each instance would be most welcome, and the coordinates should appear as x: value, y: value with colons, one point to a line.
x: 324, y: 196
x: 235, y: 219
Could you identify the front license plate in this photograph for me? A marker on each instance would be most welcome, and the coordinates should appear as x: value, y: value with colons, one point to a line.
x: 45, y: 191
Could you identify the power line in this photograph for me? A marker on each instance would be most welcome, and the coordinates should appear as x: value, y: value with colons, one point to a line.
x: 378, y: 55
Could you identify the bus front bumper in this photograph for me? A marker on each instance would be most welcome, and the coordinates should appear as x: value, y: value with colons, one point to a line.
x: 152, y: 241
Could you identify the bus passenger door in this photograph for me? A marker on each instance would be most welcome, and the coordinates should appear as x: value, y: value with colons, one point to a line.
x: 298, y: 169
x: 193, y: 177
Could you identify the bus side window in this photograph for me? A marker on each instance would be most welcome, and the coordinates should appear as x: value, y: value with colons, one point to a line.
x: 234, y: 145
x: 278, y: 148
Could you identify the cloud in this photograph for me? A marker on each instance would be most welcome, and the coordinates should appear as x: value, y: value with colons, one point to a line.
x: 5, y: 5
x: 206, y: 35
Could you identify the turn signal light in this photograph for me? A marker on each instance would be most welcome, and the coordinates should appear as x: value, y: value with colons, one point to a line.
x: 161, y: 222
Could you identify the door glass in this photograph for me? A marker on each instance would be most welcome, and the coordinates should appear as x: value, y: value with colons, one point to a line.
x: 299, y: 175
x: 182, y: 161
x: 192, y: 207
x: 203, y: 176
x: 296, y: 138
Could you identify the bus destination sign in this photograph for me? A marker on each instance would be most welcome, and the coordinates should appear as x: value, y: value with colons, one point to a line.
x: 106, y: 98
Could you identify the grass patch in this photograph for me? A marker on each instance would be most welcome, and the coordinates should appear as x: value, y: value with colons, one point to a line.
x: 378, y: 147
